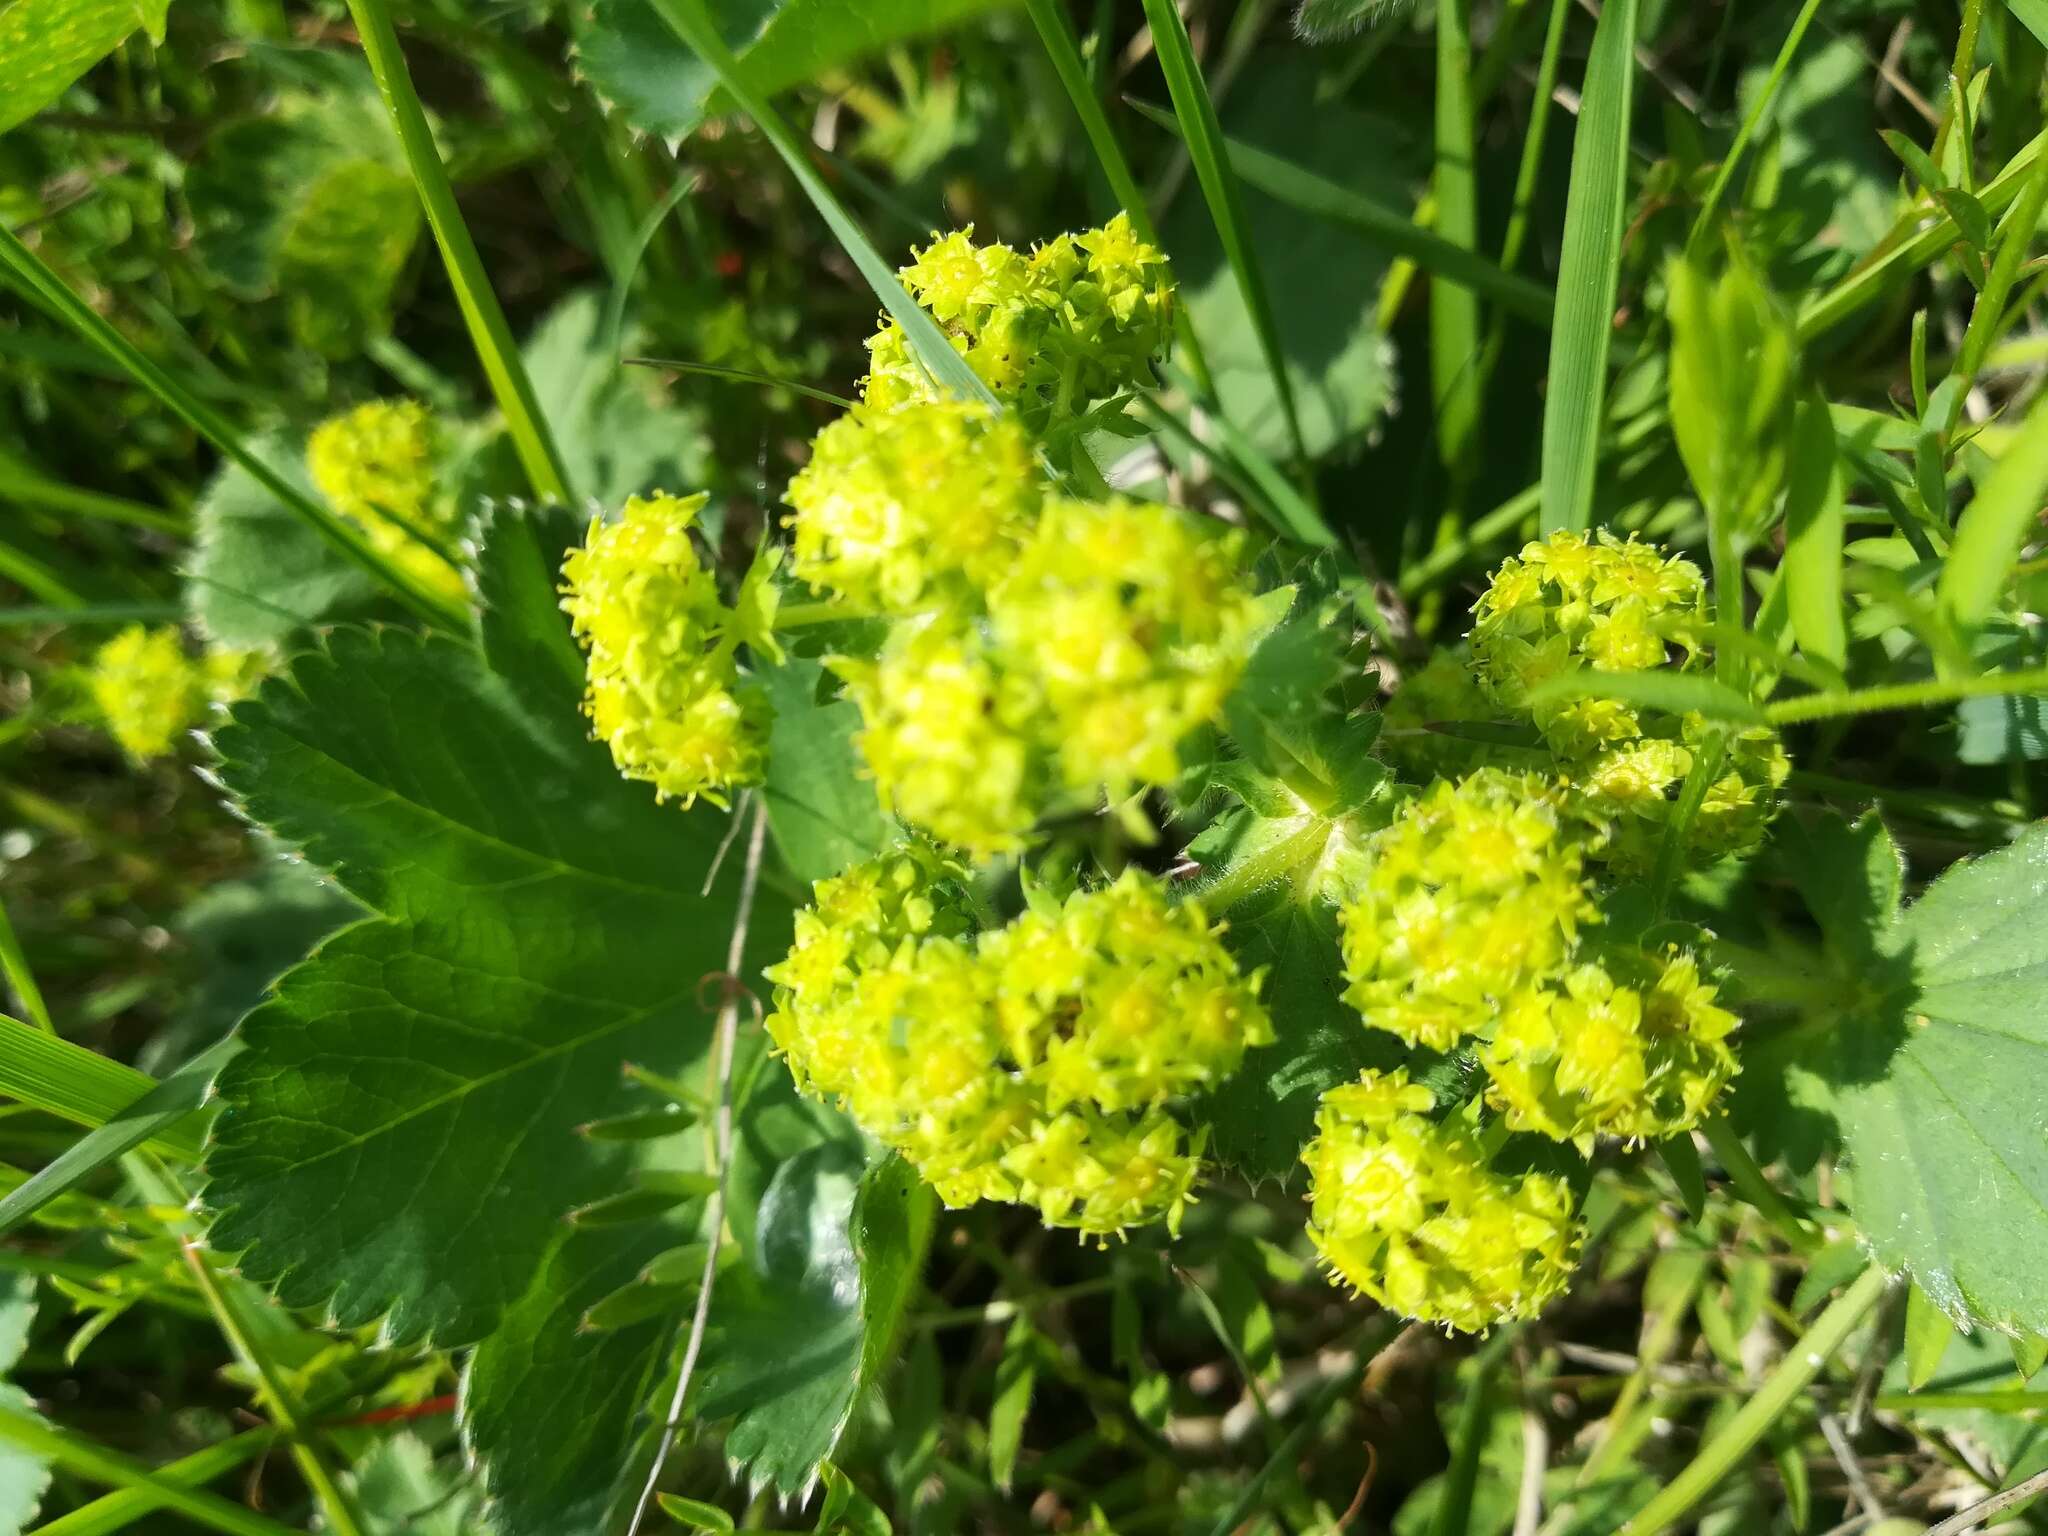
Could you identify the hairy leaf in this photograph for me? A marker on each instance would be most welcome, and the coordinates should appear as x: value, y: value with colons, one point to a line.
x: 45, y: 45
x: 821, y: 801
x: 629, y: 54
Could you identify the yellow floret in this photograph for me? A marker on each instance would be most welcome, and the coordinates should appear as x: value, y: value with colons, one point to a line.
x: 377, y: 466
x: 894, y: 503
x: 147, y: 690
x: 1408, y: 1211
x: 1476, y: 889
x: 663, y: 683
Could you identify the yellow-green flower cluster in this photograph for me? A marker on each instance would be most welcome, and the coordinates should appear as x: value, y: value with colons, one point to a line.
x: 1573, y: 601
x: 147, y: 689
x: 1035, y: 1065
x: 1076, y: 321
x: 1473, y: 893
x: 1119, y: 627
x: 664, y: 691
x: 377, y: 465
x: 1410, y: 1211
x: 1469, y: 927
x: 899, y: 503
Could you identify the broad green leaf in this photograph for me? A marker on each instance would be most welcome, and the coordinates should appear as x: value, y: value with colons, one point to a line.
x: 1926, y: 1075
x: 402, y: 1490
x: 260, y: 575
x: 821, y: 802
x: 809, y: 1324
x: 45, y: 45
x: 542, y: 924
x: 1588, y: 273
x: 24, y: 1476
x: 633, y: 60
x: 310, y: 202
x: 519, y: 604
x: 1323, y: 278
x: 618, y: 437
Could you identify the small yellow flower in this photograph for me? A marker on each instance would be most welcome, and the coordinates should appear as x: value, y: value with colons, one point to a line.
x: 895, y: 503
x: 148, y: 690
x: 377, y: 465
x: 1409, y: 1211
x: 664, y: 692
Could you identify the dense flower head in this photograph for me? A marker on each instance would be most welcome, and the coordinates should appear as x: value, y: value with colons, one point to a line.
x: 147, y: 689
x: 377, y: 465
x: 664, y: 691
x: 1076, y: 321
x: 1472, y: 893
x: 897, y: 503
x: 1639, y: 1058
x: 1409, y: 1210
x: 1573, y: 601
x: 1035, y: 1065
x: 1118, y: 629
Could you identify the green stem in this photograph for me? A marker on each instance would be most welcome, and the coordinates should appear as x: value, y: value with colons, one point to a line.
x: 1779, y: 1393
x: 1531, y: 164
x: 97, y: 1464
x: 1753, y: 1186
x: 29, y: 273
x: 1871, y: 701
x: 1269, y: 866
x: 120, y: 1510
x: 489, y: 331
x: 1751, y: 121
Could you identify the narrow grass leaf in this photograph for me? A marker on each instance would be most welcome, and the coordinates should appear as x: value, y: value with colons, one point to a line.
x: 1679, y: 692
x: 1204, y: 136
x: 1996, y: 524
x: 120, y: 1510
x: 1814, y: 505
x: 1751, y: 121
x: 28, y: 272
x: 1456, y: 382
x: 1589, y: 273
x: 69, y: 1081
x: 948, y: 368
x: 489, y: 331
x: 154, y: 1118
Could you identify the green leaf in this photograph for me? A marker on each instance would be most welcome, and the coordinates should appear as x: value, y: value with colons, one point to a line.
x: 1928, y: 1330
x: 618, y: 437
x: 1815, y: 499
x: 542, y: 924
x: 1323, y: 278
x: 1016, y: 1375
x: 63, y: 1078
x: 631, y: 57
x: 519, y: 604
x: 821, y: 802
x: 2033, y: 15
x: 24, y: 1476
x: 1927, y: 1074
x: 1328, y: 21
x: 1596, y: 208
x: 1914, y: 158
x: 310, y: 202
x: 1262, y: 1117
x: 809, y: 1324
x: 45, y: 45
x: 402, y: 1490
x: 260, y: 574
x: 1996, y: 525
x: 694, y: 1514
x: 1676, y: 692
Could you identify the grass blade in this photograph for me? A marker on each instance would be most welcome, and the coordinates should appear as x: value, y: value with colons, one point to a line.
x: 740, y: 376
x: 948, y: 368
x: 1312, y: 193
x: 1050, y: 18
x: 1995, y: 525
x: 1455, y: 377
x: 1589, y: 273
x: 69, y: 1081
x: 1531, y: 163
x: 1814, y: 503
x: 489, y: 331
x: 1679, y: 692
x: 42, y: 286
x: 95, y: 1463
x: 1204, y: 136
x: 118, y: 1511
x: 32, y: 490
x: 1759, y: 109
x: 155, y: 1115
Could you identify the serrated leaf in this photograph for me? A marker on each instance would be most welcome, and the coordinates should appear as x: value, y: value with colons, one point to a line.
x: 1328, y: 21
x: 260, y: 575
x: 519, y: 603
x: 821, y: 801
x: 636, y: 63
x: 798, y: 1334
x: 1927, y: 1075
x: 542, y: 924
x: 403, y: 1491
x: 1262, y: 1117
x: 46, y: 45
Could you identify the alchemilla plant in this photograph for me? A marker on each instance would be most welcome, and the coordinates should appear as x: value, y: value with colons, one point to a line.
x: 1274, y: 890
